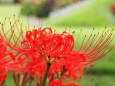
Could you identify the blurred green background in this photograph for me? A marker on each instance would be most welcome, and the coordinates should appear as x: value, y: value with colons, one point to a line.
x: 72, y: 15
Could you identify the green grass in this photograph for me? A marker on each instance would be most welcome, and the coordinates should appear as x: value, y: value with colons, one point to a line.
x: 103, y: 70
x: 98, y: 80
x: 95, y: 13
x: 8, y: 10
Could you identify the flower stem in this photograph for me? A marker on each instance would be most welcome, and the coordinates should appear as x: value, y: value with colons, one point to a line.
x: 46, y: 74
x: 3, y: 83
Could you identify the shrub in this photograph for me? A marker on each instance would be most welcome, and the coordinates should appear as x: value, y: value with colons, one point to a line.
x: 40, y: 10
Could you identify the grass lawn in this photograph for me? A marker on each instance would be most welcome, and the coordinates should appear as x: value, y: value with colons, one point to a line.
x: 94, y: 13
x: 102, y: 73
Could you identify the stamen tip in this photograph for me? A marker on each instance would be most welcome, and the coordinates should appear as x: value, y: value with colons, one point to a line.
x: 54, y: 30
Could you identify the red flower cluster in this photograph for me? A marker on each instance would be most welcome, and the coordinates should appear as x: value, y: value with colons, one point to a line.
x: 49, y: 57
x: 8, y: 61
x: 3, y: 62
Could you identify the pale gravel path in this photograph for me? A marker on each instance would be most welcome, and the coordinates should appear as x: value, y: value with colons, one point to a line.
x: 68, y: 9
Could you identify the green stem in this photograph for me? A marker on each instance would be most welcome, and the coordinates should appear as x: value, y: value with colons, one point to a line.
x: 3, y: 83
x: 46, y: 74
x: 24, y: 79
x: 17, y: 84
x: 18, y: 77
x: 31, y: 80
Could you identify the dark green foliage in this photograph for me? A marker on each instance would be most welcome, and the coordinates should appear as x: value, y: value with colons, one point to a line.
x: 40, y: 10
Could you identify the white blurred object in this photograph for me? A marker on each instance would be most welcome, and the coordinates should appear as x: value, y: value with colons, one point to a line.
x: 68, y: 9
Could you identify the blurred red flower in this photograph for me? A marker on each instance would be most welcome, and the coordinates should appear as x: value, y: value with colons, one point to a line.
x: 112, y: 8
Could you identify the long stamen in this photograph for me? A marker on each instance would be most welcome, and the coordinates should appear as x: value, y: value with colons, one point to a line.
x: 82, y: 44
x: 28, y: 23
x: 85, y: 44
x: 98, y: 42
x: 90, y: 43
x: 103, y: 42
x: 78, y: 37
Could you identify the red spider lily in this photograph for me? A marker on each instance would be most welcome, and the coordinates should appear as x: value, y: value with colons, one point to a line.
x: 7, y: 61
x: 3, y: 71
x: 3, y: 74
x: 44, y: 54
